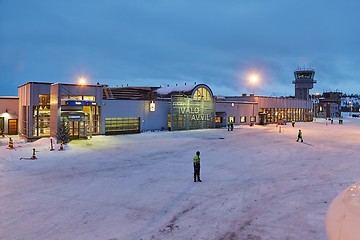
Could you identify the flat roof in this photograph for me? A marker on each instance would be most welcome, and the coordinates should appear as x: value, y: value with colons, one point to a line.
x: 9, y: 97
x: 69, y: 84
x: 48, y: 83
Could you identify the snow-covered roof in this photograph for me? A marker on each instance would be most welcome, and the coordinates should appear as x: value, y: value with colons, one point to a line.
x: 168, y: 90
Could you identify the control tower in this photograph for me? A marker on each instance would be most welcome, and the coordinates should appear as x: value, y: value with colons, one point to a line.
x: 304, y: 81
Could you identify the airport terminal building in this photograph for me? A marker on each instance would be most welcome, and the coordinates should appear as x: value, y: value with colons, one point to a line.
x: 102, y: 110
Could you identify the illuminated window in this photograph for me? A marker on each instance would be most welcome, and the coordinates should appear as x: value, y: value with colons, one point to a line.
x: 202, y: 94
x: 232, y: 119
x: 218, y: 119
x: 122, y: 125
x: 41, y: 116
x: 242, y: 119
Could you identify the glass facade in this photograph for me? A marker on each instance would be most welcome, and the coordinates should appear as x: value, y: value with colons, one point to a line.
x: 78, y: 117
x: 79, y: 126
x: 275, y: 115
x: 95, y: 118
x: 202, y: 94
x: 197, y: 112
x: 122, y: 125
x: 41, y: 116
x: 78, y: 97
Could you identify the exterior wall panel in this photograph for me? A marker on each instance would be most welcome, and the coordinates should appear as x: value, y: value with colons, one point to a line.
x: 149, y: 121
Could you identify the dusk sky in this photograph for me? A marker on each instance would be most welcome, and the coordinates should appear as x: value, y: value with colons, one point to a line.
x: 168, y: 42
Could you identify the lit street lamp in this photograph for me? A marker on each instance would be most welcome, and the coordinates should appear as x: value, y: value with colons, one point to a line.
x: 253, y: 81
x: 82, y: 80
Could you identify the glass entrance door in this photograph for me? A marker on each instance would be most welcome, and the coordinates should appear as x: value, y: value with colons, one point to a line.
x: 74, y: 129
x: 77, y: 129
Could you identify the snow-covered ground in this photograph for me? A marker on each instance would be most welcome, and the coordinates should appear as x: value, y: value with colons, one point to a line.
x: 258, y: 184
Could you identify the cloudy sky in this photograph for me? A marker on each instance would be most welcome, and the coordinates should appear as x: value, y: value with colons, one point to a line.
x: 161, y: 42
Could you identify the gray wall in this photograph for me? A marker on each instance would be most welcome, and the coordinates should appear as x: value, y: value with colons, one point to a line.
x: 239, y: 109
x: 136, y: 108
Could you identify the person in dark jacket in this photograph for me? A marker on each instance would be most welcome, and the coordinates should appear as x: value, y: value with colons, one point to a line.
x: 299, y: 136
x: 197, y: 167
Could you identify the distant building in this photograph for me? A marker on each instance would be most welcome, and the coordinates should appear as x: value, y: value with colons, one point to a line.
x: 329, y: 105
x: 102, y: 110
x: 350, y: 103
x: 9, y: 107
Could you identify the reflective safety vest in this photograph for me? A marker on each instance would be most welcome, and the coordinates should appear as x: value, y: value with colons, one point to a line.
x: 196, y: 159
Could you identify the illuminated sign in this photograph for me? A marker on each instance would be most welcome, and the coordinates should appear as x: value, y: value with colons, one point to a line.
x: 187, y: 113
x: 152, y: 106
x: 74, y: 117
x: 79, y: 103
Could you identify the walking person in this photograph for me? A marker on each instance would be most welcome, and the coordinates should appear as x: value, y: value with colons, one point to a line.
x: 197, y: 167
x: 293, y: 123
x: 299, y: 136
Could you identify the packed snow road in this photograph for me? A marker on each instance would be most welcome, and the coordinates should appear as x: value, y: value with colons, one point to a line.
x: 258, y: 184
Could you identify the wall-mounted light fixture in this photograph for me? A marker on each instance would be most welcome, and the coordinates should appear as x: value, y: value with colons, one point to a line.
x: 152, y: 106
x: 6, y: 110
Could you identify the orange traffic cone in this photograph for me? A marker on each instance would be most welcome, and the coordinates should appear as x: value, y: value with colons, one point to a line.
x: 61, y: 146
x: 11, y: 143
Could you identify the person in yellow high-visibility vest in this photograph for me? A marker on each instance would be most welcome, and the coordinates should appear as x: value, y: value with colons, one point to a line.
x: 300, y: 136
x: 197, y: 167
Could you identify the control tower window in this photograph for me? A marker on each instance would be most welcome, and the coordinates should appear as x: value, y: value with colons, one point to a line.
x: 304, y: 75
